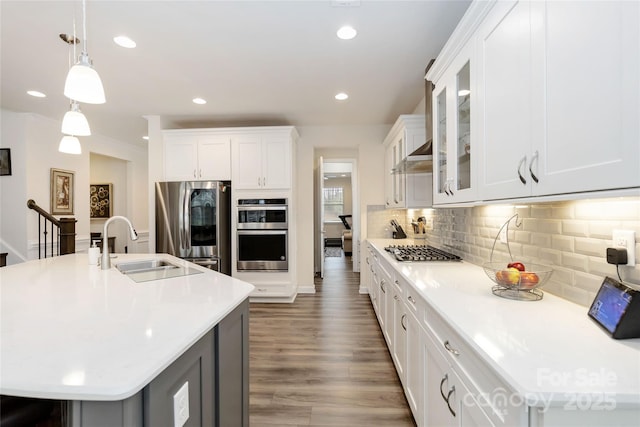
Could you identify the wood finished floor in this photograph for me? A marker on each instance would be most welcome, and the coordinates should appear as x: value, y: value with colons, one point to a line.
x: 322, y: 361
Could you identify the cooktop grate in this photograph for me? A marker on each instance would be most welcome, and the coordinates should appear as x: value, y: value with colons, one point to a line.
x: 420, y: 253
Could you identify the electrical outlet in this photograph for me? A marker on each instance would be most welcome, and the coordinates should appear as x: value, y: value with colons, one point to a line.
x: 181, y: 406
x: 503, y: 235
x: 626, y: 239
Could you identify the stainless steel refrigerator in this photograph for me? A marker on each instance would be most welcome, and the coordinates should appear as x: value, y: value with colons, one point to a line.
x: 193, y: 221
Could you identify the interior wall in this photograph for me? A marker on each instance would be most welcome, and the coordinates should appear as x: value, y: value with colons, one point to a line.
x: 109, y: 170
x: 34, y: 142
x: 366, y: 141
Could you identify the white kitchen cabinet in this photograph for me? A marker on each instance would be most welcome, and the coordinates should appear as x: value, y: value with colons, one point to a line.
x: 454, y: 106
x: 196, y: 155
x: 560, y: 94
x: 262, y: 161
x: 399, y: 336
x: 449, y: 401
x: 404, y: 188
x: 415, y: 369
x: 385, y: 305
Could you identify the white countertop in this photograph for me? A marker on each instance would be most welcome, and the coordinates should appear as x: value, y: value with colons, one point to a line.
x: 72, y: 331
x: 547, y: 349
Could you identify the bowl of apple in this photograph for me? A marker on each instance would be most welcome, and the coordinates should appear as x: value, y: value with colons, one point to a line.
x: 514, y: 280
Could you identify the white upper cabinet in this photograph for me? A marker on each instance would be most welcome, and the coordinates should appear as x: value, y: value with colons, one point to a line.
x: 196, y: 155
x: 454, y: 165
x: 404, y: 188
x: 559, y: 86
x: 263, y: 160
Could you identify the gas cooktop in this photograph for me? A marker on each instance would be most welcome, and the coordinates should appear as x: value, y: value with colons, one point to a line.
x: 407, y: 253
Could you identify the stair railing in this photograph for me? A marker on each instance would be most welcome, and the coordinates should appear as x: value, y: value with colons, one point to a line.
x: 65, y: 232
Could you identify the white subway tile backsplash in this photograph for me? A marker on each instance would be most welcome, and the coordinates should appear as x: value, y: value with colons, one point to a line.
x: 602, y: 229
x: 579, y: 228
x: 575, y: 261
x: 595, y: 247
x: 562, y: 243
x: 572, y: 237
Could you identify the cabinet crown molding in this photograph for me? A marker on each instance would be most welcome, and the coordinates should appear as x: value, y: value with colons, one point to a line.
x: 463, y: 32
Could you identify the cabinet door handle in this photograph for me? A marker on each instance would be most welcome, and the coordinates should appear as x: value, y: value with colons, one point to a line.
x: 395, y: 297
x: 402, y: 322
x: 450, y: 190
x: 411, y: 300
x: 367, y: 260
x: 522, y: 179
x: 382, y: 287
x: 533, y: 159
x: 259, y: 182
x: 194, y: 173
x: 453, y: 390
x: 444, y: 379
x: 451, y: 349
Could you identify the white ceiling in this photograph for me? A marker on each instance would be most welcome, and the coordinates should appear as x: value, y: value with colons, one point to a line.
x: 256, y: 63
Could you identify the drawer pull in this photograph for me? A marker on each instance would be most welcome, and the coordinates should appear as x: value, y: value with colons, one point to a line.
x: 382, y: 287
x: 402, y: 320
x: 395, y: 297
x: 411, y: 299
x: 453, y: 390
x: 451, y: 349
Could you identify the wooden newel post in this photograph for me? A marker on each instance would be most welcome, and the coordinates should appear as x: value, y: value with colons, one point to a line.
x: 67, y: 235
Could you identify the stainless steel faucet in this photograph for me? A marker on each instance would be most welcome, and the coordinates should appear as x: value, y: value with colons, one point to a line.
x: 105, y: 262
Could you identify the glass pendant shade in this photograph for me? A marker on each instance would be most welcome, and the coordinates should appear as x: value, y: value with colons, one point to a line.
x: 70, y: 145
x: 83, y: 83
x: 74, y: 122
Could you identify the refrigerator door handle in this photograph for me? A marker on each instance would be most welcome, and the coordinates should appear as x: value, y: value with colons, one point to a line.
x: 186, y: 243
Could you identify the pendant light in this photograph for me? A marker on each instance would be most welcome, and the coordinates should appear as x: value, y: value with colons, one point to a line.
x: 70, y: 144
x: 74, y: 122
x: 83, y: 83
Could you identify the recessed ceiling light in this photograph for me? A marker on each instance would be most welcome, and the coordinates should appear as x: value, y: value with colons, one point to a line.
x: 199, y: 101
x: 146, y: 138
x: 341, y: 96
x: 36, y: 94
x: 347, y: 32
x: 124, y: 41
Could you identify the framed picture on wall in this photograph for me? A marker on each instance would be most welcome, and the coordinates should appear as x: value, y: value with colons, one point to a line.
x: 5, y: 161
x: 100, y: 200
x: 61, y: 192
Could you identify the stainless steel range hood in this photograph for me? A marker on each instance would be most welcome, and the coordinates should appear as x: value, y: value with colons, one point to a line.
x: 421, y: 160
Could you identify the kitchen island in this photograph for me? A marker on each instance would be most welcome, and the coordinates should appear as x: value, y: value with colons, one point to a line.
x: 118, y: 350
x: 467, y: 357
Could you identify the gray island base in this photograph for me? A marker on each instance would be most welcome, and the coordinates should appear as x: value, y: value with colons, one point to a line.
x: 216, y: 369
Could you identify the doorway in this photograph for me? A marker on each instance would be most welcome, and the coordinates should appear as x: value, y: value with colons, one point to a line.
x: 336, y: 210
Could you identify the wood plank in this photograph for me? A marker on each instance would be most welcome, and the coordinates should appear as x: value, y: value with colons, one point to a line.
x: 322, y: 360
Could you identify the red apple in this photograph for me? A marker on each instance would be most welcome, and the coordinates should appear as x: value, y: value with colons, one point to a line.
x: 517, y: 265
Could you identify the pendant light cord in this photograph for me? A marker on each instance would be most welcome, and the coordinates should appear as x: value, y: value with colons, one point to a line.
x: 84, y: 25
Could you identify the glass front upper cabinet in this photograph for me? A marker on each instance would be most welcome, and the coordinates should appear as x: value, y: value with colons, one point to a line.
x: 463, y: 113
x: 441, y: 141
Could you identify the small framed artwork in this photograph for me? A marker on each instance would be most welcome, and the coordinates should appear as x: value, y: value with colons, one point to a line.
x: 100, y: 200
x: 5, y: 161
x: 61, y: 192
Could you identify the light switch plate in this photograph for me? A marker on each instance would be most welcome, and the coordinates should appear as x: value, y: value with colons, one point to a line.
x: 626, y: 239
x: 181, y: 405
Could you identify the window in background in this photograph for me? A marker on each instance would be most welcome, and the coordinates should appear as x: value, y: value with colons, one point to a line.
x: 333, y: 203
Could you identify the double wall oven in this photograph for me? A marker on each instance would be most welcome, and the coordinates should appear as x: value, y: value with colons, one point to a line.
x: 262, y: 235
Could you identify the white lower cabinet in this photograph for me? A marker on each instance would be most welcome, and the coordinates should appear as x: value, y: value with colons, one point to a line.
x: 399, y: 326
x: 415, y: 366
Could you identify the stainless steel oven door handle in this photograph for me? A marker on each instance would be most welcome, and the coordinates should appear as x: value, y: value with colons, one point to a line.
x: 262, y: 208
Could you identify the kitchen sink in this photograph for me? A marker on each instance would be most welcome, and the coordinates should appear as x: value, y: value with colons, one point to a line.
x: 145, y: 265
x: 153, y: 269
